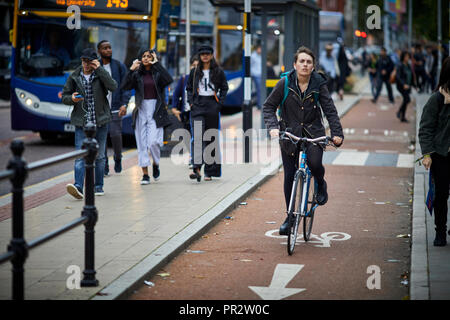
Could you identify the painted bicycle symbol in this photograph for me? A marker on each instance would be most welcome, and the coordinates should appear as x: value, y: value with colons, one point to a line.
x: 322, y: 241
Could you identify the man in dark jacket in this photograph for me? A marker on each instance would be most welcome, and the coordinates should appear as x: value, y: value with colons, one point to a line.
x: 86, y: 89
x: 118, y: 101
x: 384, y: 67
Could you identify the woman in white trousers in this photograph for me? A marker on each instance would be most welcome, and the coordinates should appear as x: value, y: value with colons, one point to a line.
x: 149, y: 79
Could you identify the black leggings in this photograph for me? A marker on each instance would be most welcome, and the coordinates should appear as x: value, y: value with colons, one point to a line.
x: 406, y: 100
x: 440, y: 166
x: 314, y: 155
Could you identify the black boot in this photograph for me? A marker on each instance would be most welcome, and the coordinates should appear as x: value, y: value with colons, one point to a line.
x: 117, y: 165
x: 441, y: 239
x: 284, y: 228
x: 322, y: 194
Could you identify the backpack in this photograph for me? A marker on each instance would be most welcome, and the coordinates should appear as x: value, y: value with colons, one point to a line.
x: 286, y: 91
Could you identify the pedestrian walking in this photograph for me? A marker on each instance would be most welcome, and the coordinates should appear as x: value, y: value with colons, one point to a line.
x: 180, y: 106
x: 329, y: 65
x: 149, y: 79
x: 255, y: 65
x: 384, y: 67
x: 307, y: 93
x: 344, y: 68
x: 404, y: 80
x: 434, y: 139
x: 372, y: 70
x: 206, y: 91
x: 419, y: 68
x: 118, y: 102
x: 87, y: 89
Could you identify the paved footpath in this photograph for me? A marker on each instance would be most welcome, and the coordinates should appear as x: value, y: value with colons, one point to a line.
x: 140, y: 228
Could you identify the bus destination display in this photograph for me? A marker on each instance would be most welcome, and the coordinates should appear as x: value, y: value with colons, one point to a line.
x: 101, y: 6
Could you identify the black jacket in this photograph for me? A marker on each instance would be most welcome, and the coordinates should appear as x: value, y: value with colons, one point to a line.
x: 401, y: 77
x: 133, y: 80
x: 434, y: 131
x: 303, y: 115
x: 218, y: 79
x: 118, y: 72
x: 385, y: 64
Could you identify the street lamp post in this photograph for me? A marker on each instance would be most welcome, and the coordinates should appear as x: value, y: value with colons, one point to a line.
x: 188, y: 35
x: 247, y: 106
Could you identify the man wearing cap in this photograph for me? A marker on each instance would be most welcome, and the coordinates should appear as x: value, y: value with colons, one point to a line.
x: 206, y: 89
x: 86, y: 90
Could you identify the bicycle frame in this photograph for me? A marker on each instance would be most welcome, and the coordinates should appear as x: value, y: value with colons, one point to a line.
x: 305, y: 173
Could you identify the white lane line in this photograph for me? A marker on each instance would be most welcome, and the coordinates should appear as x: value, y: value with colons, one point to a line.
x: 351, y: 158
x: 405, y: 160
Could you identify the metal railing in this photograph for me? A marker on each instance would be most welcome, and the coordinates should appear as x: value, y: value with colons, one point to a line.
x: 18, y: 248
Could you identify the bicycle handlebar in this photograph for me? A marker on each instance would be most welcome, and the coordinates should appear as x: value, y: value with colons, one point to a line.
x: 323, y: 139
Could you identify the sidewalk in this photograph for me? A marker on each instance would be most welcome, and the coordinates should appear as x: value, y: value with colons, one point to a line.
x: 140, y: 228
x: 430, y: 268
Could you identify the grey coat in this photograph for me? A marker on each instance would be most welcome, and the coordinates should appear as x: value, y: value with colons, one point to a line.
x: 434, y: 131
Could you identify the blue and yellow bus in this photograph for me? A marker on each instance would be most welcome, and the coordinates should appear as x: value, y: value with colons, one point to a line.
x: 45, y: 51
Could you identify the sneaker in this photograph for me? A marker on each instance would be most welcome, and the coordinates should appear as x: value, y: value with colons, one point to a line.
x: 284, y: 228
x: 156, y: 172
x: 145, y: 179
x: 322, y: 195
x: 74, y: 191
x: 118, y: 166
x: 98, y: 191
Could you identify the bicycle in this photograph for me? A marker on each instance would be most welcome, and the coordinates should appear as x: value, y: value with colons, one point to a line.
x: 302, y: 186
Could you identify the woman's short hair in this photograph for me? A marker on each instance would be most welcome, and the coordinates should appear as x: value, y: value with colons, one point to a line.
x: 306, y: 50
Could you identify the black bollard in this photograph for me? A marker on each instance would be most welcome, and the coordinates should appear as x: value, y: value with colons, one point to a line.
x: 89, y: 209
x: 247, y: 125
x: 18, y: 244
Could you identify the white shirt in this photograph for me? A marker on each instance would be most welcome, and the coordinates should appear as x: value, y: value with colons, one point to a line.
x: 255, y: 64
x: 204, y: 85
x: 108, y: 68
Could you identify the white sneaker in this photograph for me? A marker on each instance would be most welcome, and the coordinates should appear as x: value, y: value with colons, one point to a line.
x: 74, y: 191
x: 145, y: 179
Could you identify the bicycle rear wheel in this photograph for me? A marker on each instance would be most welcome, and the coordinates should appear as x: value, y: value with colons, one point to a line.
x: 295, y: 216
x: 309, y: 211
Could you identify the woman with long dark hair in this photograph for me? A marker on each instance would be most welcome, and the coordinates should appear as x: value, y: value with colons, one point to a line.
x: 434, y: 138
x: 307, y: 93
x: 206, y: 90
x: 148, y: 78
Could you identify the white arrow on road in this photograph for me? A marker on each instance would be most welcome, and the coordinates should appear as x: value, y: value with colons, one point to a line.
x: 277, y: 289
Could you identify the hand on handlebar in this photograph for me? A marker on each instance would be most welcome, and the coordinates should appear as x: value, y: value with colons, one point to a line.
x: 337, y: 141
x: 274, y: 133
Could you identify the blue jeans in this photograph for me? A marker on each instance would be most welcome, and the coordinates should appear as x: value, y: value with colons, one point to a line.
x: 100, y: 136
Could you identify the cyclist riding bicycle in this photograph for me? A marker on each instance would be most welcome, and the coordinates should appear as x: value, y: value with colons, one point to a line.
x: 300, y: 103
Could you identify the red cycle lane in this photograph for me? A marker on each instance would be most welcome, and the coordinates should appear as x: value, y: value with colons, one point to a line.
x: 359, y: 248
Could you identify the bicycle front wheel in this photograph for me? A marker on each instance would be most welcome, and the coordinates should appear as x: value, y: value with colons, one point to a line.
x: 295, y: 216
x: 309, y: 210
